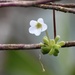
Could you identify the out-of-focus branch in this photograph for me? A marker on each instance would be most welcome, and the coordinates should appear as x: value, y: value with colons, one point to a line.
x: 29, y: 46
x: 19, y: 46
x: 68, y: 5
x: 69, y: 44
x: 39, y: 4
x: 58, y: 8
x: 23, y: 3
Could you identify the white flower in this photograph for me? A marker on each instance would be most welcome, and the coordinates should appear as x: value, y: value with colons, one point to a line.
x: 37, y: 26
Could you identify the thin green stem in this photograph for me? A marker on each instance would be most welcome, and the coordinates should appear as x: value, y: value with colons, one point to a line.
x: 47, y: 36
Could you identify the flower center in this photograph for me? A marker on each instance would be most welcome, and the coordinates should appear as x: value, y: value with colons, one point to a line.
x: 38, y: 25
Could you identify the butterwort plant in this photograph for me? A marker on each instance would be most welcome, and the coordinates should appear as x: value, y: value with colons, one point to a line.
x: 48, y: 46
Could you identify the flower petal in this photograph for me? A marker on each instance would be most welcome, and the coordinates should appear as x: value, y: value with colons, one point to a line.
x: 44, y: 27
x: 35, y: 31
x: 38, y: 32
x: 32, y: 30
x: 33, y: 23
x: 40, y: 20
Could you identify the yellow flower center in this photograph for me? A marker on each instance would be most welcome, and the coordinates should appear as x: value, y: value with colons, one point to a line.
x: 38, y: 25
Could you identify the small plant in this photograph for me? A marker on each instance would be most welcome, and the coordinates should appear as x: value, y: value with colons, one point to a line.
x: 49, y: 46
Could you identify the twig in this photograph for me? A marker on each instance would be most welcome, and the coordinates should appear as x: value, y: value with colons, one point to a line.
x: 58, y: 8
x: 68, y: 5
x: 24, y: 3
x: 19, y: 46
x: 29, y: 46
x: 34, y: 4
x: 69, y: 44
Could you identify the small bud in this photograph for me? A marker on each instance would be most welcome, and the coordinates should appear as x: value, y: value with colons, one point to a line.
x: 45, y: 50
x: 61, y: 43
x: 57, y: 38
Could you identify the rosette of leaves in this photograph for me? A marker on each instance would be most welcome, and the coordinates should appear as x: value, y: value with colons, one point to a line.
x: 51, y: 46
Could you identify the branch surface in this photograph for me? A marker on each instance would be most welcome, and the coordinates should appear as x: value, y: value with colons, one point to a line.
x: 29, y: 46
x: 58, y: 8
x: 23, y: 3
x: 68, y: 5
x: 40, y: 4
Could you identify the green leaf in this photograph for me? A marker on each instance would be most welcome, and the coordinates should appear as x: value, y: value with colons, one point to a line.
x: 61, y: 43
x: 52, y: 42
x: 51, y: 51
x: 56, y: 46
x: 57, y: 38
x: 21, y: 63
x: 55, y: 54
x: 45, y: 40
x: 45, y: 50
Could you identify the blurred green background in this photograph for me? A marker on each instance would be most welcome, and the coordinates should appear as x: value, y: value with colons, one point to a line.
x: 14, y: 24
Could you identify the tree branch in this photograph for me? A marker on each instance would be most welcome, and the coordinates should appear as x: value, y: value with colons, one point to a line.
x: 35, y: 4
x: 68, y: 5
x: 23, y: 3
x: 58, y: 8
x: 19, y: 46
x: 29, y: 46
